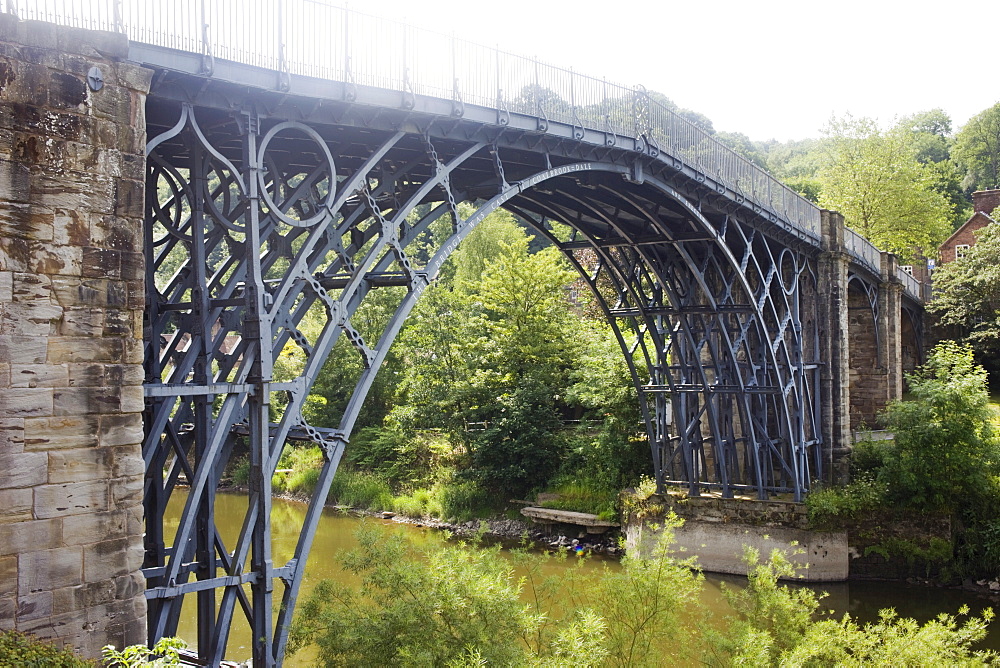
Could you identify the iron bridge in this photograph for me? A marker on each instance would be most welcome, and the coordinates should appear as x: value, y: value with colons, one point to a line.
x: 298, y: 158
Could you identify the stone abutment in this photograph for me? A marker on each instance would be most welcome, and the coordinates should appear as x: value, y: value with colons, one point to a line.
x: 71, y: 303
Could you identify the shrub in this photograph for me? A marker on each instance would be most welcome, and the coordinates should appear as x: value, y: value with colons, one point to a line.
x: 302, y: 482
x: 19, y: 650
x: 360, y: 490
x: 140, y: 656
x: 241, y: 471
x: 405, y: 458
x: 945, y: 454
x: 462, y: 500
x: 834, y: 507
x: 456, y: 605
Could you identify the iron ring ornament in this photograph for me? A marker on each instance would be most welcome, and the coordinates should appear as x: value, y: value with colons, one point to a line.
x: 262, y: 176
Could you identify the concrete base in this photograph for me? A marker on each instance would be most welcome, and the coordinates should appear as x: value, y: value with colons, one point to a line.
x: 719, y: 547
x: 549, y: 516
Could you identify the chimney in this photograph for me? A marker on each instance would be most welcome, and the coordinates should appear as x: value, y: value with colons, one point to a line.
x: 985, y: 201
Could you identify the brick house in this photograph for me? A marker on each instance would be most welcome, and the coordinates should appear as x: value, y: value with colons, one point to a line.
x: 984, y: 202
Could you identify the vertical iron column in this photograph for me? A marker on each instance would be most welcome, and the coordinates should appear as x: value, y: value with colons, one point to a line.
x: 258, y: 328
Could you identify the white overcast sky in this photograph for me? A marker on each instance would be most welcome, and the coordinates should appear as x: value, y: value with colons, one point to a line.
x: 767, y: 68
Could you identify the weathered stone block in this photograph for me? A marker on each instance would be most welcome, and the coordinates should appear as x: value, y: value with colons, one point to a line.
x: 8, y: 609
x: 128, y: 462
x: 49, y: 569
x: 26, y: 536
x: 11, y: 435
x: 82, y: 321
x: 6, y: 286
x: 124, y: 374
x: 84, y: 596
x: 126, y: 492
x: 69, y: 431
x: 38, y: 375
x: 24, y: 469
x: 22, y: 349
x: 86, y: 375
x: 34, y: 606
x: 16, y: 178
x: 129, y: 198
x: 121, y: 430
x: 69, y: 349
x: 86, y: 401
x: 8, y: 575
x: 26, y: 402
x: 106, y: 560
x: 71, y: 498
x: 132, y: 399
x: 101, y: 263
x: 87, y: 529
x: 15, y: 505
x: 52, y: 260
x: 79, y: 464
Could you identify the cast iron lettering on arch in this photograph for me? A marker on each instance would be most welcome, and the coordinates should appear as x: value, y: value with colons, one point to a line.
x: 259, y: 227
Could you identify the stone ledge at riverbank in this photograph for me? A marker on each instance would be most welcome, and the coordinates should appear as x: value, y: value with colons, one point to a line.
x: 715, y: 530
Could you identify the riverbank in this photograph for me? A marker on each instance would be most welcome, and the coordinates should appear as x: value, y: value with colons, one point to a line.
x: 506, y: 530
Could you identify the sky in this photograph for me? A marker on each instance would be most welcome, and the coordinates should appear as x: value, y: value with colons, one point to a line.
x: 770, y: 69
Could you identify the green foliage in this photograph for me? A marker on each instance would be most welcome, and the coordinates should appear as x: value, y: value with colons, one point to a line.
x: 885, y: 193
x: 407, y: 458
x: 434, y: 610
x: 448, y: 605
x: 584, y: 499
x: 650, y: 604
x: 358, y: 489
x: 241, y: 471
x: 163, y: 655
x: 945, y: 454
x: 937, y: 553
x: 966, y: 299
x: 838, y: 507
x: 894, y: 641
x: 520, y: 448
x: 462, y: 500
x: 771, y: 619
x: 19, y: 650
x: 977, y: 149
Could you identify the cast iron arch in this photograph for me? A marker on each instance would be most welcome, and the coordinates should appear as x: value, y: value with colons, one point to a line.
x: 259, y: 221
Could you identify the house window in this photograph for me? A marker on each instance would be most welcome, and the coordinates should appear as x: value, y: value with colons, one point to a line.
x: 908, y: 268
x: 961, y: 250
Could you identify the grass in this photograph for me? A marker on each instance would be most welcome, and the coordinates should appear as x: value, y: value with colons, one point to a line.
x: 584, y: 499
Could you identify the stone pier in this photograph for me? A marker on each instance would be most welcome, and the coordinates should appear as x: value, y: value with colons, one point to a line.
x: 71, y: 302
x: 861, y: 340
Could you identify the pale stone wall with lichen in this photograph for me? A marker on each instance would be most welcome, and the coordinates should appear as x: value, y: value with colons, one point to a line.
x: 71, y: 303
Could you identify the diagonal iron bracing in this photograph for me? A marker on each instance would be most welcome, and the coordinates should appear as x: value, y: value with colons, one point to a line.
x: 257, y: 223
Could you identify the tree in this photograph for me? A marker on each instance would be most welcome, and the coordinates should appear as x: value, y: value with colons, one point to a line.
x: 966, y: 299
x: 930, y: 136
x: 742, y: 144
x: 884, y: 192
x: 945, y: 454
x: 977, y: 149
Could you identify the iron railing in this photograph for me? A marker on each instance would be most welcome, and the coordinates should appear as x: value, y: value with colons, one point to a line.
x: 863, y: 251
x: 318, y: 39
x: 911, y: 286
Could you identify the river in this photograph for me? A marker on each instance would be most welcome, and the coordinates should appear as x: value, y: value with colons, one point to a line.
x: 336, y: 534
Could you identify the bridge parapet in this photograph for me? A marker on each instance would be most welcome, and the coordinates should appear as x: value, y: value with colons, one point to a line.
x: 293, y: 38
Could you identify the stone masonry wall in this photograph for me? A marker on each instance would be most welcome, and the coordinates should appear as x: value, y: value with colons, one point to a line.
x: 71, y: 303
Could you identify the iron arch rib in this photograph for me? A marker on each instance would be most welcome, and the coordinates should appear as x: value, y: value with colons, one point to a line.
x: 259, y: 225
